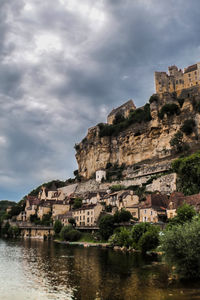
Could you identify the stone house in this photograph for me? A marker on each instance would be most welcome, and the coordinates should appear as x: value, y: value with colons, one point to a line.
x: 123, y: 110
x: 154, y: 208
x: 60, y: 207
x: 64, y: 218
x: 129, y: 202
x: 30, y: 207
x: 43, y: 209
x: 177, y: 199
x: 87, y: 215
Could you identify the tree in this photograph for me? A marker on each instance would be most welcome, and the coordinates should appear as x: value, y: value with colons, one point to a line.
x: 57, y: 226
x: 72, y: 221
x: 149, y: 240
x: 106, y: 226
x: 188, y: 126
x: 121, y: 237
x: 77, y: 203
x: 181, y: 246
x: 64, y: 231
x: 122, y: 216
x: 177, y: 142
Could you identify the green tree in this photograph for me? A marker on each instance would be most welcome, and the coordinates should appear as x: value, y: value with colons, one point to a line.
x: 188, y: 126
x: 181, y: 246
x: 65, y: 230
x: 177, y: 142
x: 57, y: 226
x: 149, y: 240
x: 138, y: 230
x: 77, y: 203
x: 122, y: 237
x: 72, y: 221
x: 106, y: 226
x: 122, y: 216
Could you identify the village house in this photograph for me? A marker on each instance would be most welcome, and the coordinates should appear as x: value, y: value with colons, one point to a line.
x: 129, y: 202
x: 93, y: 197
x: 177, y: 199
x: 154, y: 208
x: 64, y: 218
x: 87, y: 215
x: 60, y: 207
x: 43, y: 209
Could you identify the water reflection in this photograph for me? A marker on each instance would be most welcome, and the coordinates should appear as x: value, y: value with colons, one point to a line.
x: 45, y: 270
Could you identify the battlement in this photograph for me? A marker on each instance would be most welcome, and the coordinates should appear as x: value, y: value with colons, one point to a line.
x: 176, y: 79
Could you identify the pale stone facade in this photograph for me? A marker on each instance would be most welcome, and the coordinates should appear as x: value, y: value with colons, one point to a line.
x: 123, y: 110
x: 100, y: 175
x: 87, y: 215
x: 177, y: 80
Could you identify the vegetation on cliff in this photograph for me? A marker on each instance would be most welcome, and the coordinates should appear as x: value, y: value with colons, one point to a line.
x: 120, y: 123
x: 188, y: 171
x: 49, y: 185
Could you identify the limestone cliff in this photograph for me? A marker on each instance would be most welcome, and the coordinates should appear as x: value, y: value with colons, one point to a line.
x: 141, y: 142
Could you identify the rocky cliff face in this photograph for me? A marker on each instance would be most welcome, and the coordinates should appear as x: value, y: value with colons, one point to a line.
x: 140, y: 142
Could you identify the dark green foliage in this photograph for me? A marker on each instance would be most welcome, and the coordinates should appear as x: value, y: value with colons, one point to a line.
x: 48, y: 185
x: 177, y: 143
x: 13, y: 231
x: 181, y: 246
x: 169, y: 109
x: 115, y: 172
x: 153, y: 98
x: 188, y: 171
x: 137, y: 116
x: 72, y: 221
x: 196, y: 105
x: 77, y: 203
x: 108, y: 165
x: 180, y: 101
x: 46, y: 219
x: 77, y: 147
x: 122, y: 216
x: 138, y: 190
x: 118, y: 119
x: 75, y: 172
x: 106, y: 226
x: 65, y: 230
x: 121, y: 237
x: 185, y: 213
x: 138, y: 230
x: 57, y: 226
x: 117, y: 187
x: 72, y: 235
x: 108, y: 208
x: 188, y: 126
x: 5, y: 229
x: 149, y: 240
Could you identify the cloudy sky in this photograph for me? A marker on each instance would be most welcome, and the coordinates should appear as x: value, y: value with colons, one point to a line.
x: 64, y: 64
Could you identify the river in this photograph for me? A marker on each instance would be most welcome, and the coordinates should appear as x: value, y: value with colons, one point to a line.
x: 35, y: 270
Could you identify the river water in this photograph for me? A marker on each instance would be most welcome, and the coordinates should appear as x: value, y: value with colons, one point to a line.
x: 37, y: 270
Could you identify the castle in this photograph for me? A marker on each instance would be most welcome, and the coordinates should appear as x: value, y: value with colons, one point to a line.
x: 176, y: 79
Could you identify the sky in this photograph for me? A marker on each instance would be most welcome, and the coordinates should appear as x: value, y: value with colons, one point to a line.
x: 65, y: 64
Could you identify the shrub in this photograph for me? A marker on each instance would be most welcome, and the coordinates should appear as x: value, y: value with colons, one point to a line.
x: 77, y: 203
x: 122, y: 216
x: 121, y: 238
x: 117, y: 187
x: 169, y: 109
x: 188, y: 171
x: 72, y: 235
x: 106, y: 226
x: 138, y: 230
x: 57, y: 226
x: 64, y: 231
x: 188, y: 126
x: 153, y: 98
x: 149, y: 240
x: 181, y: 246
x: 177, y: 141
x: 196, y: 105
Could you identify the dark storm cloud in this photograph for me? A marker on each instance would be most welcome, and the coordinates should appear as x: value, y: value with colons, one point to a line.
x: 65, y: 64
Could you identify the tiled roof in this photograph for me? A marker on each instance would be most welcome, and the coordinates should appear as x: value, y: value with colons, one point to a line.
x: 191, y: 68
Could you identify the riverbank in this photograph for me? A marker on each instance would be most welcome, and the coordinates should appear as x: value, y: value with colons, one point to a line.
x: 84, y: 244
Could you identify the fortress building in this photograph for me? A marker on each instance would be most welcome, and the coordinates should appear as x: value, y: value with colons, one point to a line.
x: 176, y: 79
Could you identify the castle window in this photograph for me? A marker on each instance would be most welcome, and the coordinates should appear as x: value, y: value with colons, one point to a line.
x: 188, y: 75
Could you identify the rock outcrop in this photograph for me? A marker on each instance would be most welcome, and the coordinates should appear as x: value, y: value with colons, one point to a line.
x: 144, y: 142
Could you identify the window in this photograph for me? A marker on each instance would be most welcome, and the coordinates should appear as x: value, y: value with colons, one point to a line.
x: 176, y: 81
x: 151, y: 213
x: 80, y: 217
x: 88, y: 220
x: 88, y: 213
x: 91, y: 220
x: 145, y: 212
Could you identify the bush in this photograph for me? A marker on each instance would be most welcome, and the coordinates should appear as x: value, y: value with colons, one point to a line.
x: 121, y: 238
x: 188, y: 126
x: 177, y: 143
x: 72, y: 235
x: 188, y: 171
x: 117, y: 187
x: 136, y: 116
x: 153, y: 98
x: 149, y: 240
x: 122, y: 216
x: 180, y: 101
x: 77, y: 203
x: 181, y: 246
x: 57, y: 226
x: 169, y: 109
x: 138, y: 230
x: 106, y: 226
x: 65, y: 230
